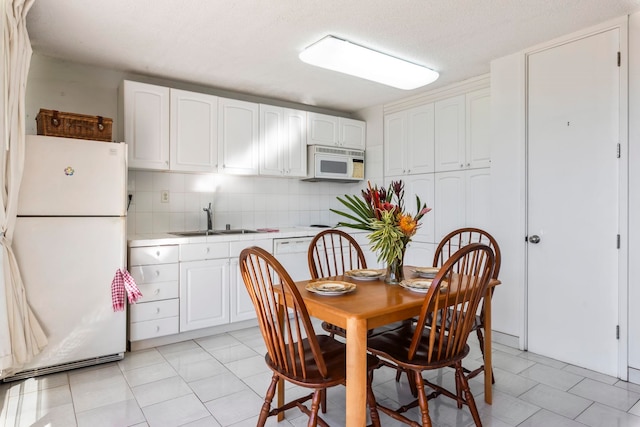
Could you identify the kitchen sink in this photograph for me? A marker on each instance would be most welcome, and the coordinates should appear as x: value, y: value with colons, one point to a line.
x: 212, y: 232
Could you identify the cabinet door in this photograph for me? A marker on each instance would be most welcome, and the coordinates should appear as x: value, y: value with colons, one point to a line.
x: 395, y: 142
x: 271, y: 140
x: 240, y: 302
x: 322, y: 129
x: 449, y: 134
x: 420, y: 139
x: 478, y: 198
x: 352, y: 133
x: 194, y: 131
x: 423, y: 186
x: 449, y: 206
x: 419, y: 254
x: 283, y: 141
x: 204, y: 294
x: 478, y: 132
x: 295, y: 150
x: 238, y: 137
x: 146, y: 124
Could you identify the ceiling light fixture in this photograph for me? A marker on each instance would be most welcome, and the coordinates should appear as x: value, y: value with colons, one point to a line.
x: 345, y: 57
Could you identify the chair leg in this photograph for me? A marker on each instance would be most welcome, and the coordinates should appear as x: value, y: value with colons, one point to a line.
x: 422, y: 399
x: 315, y: 405
x: 468, y: 395
x: 266, y: 406
x: 323, y: 401
x: 371, y: 401
x: 481, y: 340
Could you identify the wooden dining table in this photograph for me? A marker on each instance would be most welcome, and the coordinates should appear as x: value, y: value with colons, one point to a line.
x: 372, y: 304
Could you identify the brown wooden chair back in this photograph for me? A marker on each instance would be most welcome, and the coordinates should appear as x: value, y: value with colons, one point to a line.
x: 284, y: 324
x: 461, y: 283
x: 332, y: 252
x: 462, y: 237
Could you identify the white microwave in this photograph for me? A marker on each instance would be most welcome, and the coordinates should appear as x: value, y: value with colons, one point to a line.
x: 334, y: 164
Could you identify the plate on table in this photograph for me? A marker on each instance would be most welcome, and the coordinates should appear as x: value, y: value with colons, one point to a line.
x: 417, y: 285
x: 330, y: 287
x: 428, y: 272
x: 364, y: 274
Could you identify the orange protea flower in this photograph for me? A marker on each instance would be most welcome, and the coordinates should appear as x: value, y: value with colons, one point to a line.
x: 407, y: 224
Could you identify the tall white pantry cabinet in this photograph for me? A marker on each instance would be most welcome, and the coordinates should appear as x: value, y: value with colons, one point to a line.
x: 440, y: 149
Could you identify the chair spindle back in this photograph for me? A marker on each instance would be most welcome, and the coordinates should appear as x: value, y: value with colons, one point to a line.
x: 332, y: 252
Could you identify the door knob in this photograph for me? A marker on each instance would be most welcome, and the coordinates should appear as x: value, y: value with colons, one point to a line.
x: 534, y: 239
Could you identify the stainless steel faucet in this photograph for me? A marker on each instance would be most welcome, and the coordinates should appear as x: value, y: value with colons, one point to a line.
x: 209, y: 212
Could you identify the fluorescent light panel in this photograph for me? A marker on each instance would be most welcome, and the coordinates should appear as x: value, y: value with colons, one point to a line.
x: 345, y: 57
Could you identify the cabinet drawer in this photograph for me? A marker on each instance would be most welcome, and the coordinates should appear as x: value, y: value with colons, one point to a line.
x: 236, y: 247
x: 153, y: 255
x: 158, y: 291
x: 155, y: 273
x: 153, y: 310
x: 153, y: 328
x: 200, y: 251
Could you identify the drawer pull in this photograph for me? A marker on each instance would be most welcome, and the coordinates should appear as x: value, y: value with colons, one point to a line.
x: 157, y: 310
x: 157, y: 328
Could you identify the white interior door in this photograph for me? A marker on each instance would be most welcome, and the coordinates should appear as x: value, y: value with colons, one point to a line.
x: 573, y: 180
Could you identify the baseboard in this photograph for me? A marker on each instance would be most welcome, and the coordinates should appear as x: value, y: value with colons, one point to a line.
x: 634, y: 375
x: 506, y: 339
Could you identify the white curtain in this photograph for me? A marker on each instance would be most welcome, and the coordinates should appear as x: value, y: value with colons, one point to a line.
x: 21, y: 336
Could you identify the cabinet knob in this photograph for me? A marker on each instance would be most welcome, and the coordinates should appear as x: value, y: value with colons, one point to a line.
x: 408, y: 170
x: 156, y: 292
x: 157, y: 328
x: 461, y: 165
x: 157, y: 273
x: 157, y: 310
x: 468, y: 165
x: 208, y: 249
x: 158, y: 254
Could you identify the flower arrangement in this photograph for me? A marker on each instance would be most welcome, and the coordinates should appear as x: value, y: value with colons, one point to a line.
x: 382, y: 211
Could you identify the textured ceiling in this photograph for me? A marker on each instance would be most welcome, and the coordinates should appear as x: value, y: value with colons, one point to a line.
x: 252, y: 46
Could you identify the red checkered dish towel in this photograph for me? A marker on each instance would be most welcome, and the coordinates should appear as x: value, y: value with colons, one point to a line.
x: 122, y: 282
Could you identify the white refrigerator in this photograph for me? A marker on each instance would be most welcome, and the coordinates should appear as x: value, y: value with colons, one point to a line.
x: 69, y: 241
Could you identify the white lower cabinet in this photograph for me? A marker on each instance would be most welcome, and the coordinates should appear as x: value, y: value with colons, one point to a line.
x: 155, y: 270
x: 461, y: 200
x: 240, y: 301
x: 204, y: 294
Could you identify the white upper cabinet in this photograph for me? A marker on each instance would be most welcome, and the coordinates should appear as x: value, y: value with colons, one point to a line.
x: 352, y: 133
x: 450, y: 134
x: 194, y: 131
x: 478, y: 132
x: 238, y: 137
x: 335, y: 131
x: 409, y: 141
x: 283, y: 141
x: 145, y: 120
x: 462, y: 126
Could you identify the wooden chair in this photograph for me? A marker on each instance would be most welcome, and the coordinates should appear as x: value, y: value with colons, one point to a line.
x: 461, y: 283
x: 331, y: 253
x: 449, y: 245
x: 294, y: 352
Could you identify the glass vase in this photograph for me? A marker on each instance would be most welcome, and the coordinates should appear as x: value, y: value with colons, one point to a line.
x: 395, y: 271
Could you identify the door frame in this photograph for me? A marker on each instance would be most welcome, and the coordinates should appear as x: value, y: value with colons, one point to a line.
x: 623, y: 181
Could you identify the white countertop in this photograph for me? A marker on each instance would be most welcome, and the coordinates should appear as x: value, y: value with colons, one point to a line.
x: 139, y: 240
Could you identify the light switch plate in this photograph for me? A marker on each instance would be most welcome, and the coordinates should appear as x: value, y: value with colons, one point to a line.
x: 164, y: 196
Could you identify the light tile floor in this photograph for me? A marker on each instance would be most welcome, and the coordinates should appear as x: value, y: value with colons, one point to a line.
x: 220, y: 381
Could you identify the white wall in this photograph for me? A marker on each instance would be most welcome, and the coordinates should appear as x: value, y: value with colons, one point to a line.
x: 247, y: 202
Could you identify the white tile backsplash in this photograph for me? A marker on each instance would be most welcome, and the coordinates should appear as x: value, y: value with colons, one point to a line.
x: 242, y: 202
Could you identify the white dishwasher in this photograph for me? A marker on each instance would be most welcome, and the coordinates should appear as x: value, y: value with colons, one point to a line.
x: 291, y: 252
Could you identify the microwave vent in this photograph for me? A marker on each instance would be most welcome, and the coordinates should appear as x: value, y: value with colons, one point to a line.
x: 339, y: 151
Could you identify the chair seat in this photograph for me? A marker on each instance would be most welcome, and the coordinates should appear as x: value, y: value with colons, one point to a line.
x: 395, y: 345
x: 334, y: 354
